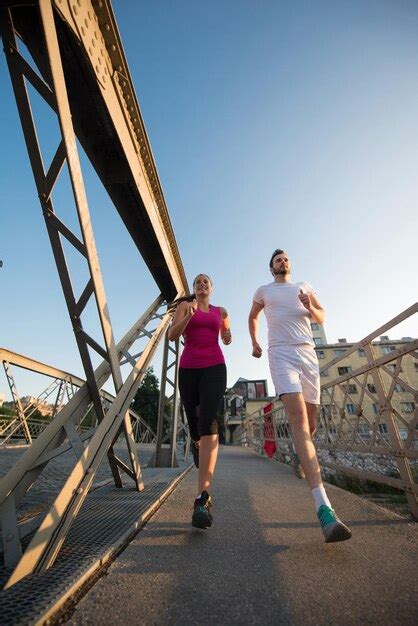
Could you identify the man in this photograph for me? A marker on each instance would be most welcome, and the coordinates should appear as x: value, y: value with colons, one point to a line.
x: 289, y: 309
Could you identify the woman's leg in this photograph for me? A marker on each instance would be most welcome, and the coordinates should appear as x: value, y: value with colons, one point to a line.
x: 208, y: 454
x: 189, y: 394
x: 211, y: 390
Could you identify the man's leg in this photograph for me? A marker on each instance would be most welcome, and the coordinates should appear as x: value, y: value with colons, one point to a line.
x: 297, y: 414
x: 302, y: 422
x: 313, y: 412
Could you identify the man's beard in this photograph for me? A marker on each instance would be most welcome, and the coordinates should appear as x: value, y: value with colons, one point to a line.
x: 281, y: 270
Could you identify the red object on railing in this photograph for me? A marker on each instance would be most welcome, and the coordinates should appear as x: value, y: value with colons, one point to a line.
x: 268, y: 429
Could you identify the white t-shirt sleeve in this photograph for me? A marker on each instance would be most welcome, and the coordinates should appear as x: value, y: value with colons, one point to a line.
x: 259, y: 296
x: 307, y: 288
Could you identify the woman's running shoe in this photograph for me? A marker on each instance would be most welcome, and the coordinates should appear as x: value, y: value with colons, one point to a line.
x: 202, y: 517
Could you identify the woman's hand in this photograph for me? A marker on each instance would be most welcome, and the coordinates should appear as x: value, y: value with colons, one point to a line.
x: 225, y: 329
x: 191, y: 310
x: 226, y: 336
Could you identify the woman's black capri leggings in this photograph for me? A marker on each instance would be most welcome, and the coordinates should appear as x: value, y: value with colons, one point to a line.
x: 202, y: 387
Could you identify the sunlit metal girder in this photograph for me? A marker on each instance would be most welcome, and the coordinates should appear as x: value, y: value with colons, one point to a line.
x: 81, y: 73
x: 109, y: 125
x: 70, y: 383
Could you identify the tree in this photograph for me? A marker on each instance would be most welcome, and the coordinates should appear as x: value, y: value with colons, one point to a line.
x: 146, y: 399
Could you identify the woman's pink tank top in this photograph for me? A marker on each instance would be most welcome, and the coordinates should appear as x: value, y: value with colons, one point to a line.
x: 201, y: 347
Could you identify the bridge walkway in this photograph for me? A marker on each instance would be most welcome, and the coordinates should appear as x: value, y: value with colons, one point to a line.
x: 263, y: 561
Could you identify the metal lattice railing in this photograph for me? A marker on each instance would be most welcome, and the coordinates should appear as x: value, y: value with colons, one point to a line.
x: 368, y: 422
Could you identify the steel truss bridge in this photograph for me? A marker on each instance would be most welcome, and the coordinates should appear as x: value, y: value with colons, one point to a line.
x: 77, y: 57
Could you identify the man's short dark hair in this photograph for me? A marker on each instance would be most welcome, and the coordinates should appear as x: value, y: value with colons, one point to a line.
x: 275, y: 253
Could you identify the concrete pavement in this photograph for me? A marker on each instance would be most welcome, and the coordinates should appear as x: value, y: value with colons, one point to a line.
x: 262, y: 562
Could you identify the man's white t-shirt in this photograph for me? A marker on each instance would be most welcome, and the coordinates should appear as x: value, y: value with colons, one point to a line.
x: 288, y: 321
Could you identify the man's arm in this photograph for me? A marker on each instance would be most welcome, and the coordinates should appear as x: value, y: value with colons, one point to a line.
x: 312, y: 304
x: 253, y: 328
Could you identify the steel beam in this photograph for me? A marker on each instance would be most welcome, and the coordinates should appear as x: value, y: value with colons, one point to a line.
x: 79, y: 58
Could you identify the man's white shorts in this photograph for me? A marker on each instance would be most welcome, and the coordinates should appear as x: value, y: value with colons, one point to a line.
x: 295, y: 369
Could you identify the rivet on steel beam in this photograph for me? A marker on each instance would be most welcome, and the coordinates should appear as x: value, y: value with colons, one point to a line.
x: 79, y: 490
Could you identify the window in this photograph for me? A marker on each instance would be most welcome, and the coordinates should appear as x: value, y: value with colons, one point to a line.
x: 371, y: 387
x: 398, y: 387
x: 344, y: 370
x: 325, y: 373
x: 339, y: 351
x: 320, y: 354
x: 388, y: 349
x: 416, y: 366
x: 375, y: 409
x: 403, y: 433
x: 361, y: 352
x: 363, y: 429
x: 317, y: 341
x: 351, y: 409
x: 352, y: 389
x: 392, y: 367
x: 383, y: 429
x: 314, y: 326
x: 407, y: 407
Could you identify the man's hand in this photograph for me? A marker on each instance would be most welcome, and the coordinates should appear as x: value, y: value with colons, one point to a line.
x: 257, y: 350
x: 305, y: 299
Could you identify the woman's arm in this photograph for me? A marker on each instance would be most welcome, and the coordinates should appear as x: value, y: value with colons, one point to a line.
x: 225, y: 328
x: 182, y: 317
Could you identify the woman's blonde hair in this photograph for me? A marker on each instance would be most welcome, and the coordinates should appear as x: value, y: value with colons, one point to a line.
x: 189, y: 297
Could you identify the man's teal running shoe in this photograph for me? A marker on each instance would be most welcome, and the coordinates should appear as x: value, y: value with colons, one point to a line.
x: 202, y: 517
x: 332, y: 526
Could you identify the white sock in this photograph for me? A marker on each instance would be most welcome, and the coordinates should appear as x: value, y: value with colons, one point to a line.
x: 320, y: 497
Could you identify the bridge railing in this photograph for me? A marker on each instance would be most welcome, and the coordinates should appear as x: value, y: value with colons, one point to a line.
x: 368, y: 421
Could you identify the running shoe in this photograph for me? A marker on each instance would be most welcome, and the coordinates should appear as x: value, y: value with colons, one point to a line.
x: 297, y: 467
x: 202, y: 517
x: 332, y: 527
x: 195, y: 452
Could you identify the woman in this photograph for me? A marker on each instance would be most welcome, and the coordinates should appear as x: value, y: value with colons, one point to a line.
x: 202, y: 383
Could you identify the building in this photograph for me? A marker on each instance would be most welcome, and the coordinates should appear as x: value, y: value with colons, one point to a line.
x: 30, y: 401
x: 350, y: 400
x: 318, y: 333
x: 242, y: 399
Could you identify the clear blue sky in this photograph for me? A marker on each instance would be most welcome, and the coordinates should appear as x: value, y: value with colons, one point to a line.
x: 273, y: 124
